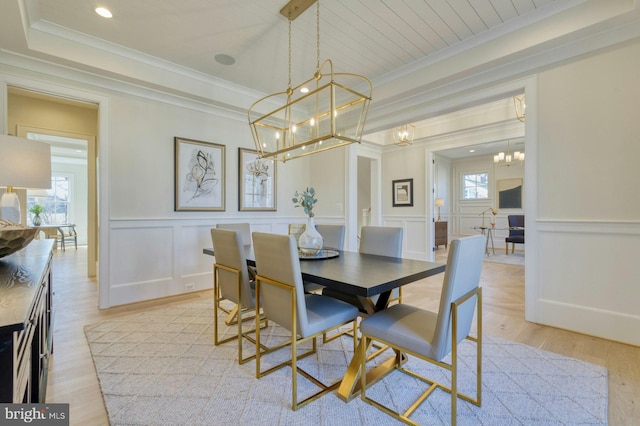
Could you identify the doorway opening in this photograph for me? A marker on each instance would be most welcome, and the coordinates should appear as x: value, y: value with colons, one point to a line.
x: 70, y: 127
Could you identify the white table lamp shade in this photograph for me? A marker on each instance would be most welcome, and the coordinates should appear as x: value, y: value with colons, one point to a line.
x: 24, y: 164
x: 439, y: 202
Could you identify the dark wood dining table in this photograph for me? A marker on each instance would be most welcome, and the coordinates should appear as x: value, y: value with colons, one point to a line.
x: 362, y: 276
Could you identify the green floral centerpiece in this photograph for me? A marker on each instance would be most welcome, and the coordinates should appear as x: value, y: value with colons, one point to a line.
x: 310, y: 242
x: 306, y: 200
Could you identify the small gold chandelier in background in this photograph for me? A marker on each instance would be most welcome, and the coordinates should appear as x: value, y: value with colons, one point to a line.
x: 331, y: 112
x: 519, y: 105
x: 508, y: 158
x: 404, y: 134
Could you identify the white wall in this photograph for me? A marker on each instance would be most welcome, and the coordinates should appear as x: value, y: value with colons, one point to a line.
x: 588, y: 202
x: 364, y: 192
x: 79, y: 196
x: 327, y: 175
x: 407, y: 163
x: 154, y: 250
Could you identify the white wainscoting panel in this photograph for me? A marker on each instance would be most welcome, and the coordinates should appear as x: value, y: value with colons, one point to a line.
x: 157, y: 258
x: 141, y: 263
x: 414, y: 244
x: 143, y: 253
x: 191, y: 262
x: 588, y: 278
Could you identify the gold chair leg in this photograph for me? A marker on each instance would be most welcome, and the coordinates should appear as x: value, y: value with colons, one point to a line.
x: 452, y: 368
x: 294, y: 342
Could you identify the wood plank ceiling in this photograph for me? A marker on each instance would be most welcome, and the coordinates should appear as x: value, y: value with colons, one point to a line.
x: 369, y: 37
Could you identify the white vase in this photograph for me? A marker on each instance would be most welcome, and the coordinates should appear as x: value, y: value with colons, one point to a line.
x: 310, y: 242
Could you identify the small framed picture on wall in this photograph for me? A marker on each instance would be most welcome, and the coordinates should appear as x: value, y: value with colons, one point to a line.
x: 402, y: 190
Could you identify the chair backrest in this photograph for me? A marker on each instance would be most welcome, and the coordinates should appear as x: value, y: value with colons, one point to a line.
x: 381, y: 240
x: 516, y: 220
x: 229, y: 251
x: 461, y: 276
x: 277, y: 259
x: 333, y: 235
x: 296, y: 229
x: 243, y: 228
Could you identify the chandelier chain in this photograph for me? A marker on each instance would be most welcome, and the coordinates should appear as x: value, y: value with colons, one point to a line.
x: 289, y: 84
x: 318, y: 35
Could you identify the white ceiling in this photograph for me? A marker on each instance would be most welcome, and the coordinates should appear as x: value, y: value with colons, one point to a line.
x: 415, y: 52
x: 368, y: 37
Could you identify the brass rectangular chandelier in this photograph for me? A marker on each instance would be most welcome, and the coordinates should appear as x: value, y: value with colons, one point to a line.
x: 327, y: 111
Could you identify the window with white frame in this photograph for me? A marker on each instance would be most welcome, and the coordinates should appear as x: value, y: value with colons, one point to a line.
x: 475, y: 186
x: 55, y: 201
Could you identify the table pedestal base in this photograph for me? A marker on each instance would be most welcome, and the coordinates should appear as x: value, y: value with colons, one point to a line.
x: 350, y: 385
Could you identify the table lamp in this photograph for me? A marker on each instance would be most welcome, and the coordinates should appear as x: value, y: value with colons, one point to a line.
x: 493, y: 212
x: 24, y: 164
x: 439, y: 203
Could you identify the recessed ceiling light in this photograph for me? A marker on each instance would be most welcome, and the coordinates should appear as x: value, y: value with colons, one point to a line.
x: 224, y: 59
x: 104, y: 12
x: 472, y: 150
x: 304, y: 90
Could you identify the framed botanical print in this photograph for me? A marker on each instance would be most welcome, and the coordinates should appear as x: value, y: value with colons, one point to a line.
x: 402, y: 192
x: 256, y: 181
x: 199, y: 175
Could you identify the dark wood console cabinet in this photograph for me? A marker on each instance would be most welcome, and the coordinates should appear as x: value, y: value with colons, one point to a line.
x: 441, y: 234
x: 26, y: 314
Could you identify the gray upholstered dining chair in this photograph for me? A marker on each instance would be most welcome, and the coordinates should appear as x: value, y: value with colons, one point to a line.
x: 231, y: 282
x: 431, y: 336
x: 383, y: 241
x: 332, y: 236
x: 243, y: 227
x: 380, y: 241
x: 280, y: 292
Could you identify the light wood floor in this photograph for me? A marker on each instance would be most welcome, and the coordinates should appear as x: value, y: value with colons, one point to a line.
x: 73, y: 380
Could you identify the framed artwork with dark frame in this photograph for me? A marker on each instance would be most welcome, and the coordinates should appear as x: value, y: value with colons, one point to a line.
x: 256, y: 181
x: 199, y: 175
x: 402, y: 190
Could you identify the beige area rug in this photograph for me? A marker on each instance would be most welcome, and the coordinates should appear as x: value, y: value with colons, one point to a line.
x: 161, y: 367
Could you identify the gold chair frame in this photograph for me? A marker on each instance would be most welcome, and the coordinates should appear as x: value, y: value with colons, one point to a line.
x: 233, y: 314
x: 294, y: 353
x: 236, y: 313
x: 453, y: 367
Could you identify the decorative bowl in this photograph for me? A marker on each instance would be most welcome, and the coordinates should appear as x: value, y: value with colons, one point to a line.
x: 12, y: 240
